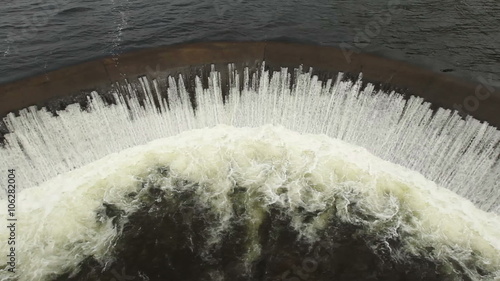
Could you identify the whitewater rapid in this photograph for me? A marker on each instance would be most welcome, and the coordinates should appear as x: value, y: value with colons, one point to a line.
x: 458, y: 153
x: 313, y: 180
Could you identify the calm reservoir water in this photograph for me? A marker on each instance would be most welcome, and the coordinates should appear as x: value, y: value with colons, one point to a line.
x: 460, y: 37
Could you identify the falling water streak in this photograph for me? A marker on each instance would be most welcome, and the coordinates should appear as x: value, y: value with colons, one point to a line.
x: 461, y: 155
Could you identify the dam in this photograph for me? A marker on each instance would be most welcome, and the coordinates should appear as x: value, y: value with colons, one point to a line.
x: 253, y: 161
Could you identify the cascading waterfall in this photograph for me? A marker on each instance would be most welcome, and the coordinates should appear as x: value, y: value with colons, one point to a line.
x: 292, y: 160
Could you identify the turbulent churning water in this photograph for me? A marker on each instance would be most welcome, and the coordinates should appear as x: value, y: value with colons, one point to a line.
x: 297, y: 199
x: 236, y: 176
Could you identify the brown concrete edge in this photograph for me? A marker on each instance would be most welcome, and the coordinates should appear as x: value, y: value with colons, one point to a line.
x: 439, y: 89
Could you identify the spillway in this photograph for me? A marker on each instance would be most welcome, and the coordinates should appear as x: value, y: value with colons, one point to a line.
x: 221, y: 161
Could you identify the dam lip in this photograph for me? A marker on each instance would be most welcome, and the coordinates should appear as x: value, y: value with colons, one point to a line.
x: 440, y: 89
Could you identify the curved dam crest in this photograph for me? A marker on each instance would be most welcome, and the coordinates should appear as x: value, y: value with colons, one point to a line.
x: 457, y: 153
x: 252, y: 161
x: 63, y: 86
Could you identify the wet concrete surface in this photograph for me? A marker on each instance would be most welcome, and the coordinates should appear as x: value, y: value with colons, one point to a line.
x: 480, y: 100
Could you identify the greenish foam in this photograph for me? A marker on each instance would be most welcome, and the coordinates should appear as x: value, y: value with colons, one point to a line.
x: 211, y: 194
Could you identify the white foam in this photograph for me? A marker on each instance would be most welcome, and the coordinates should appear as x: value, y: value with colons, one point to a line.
x: 461, y: 155
x: 58, y: 218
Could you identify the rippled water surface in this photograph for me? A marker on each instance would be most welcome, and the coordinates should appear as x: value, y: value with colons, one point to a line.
x: 460, y: 37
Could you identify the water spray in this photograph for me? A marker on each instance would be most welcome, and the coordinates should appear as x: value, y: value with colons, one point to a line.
x: 237, y: 160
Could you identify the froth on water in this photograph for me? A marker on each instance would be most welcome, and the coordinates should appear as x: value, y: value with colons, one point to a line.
x: 241, y: 201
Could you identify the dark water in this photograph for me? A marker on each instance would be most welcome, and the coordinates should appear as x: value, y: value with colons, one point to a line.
x: 461, y: 37
x: 178, y: 247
